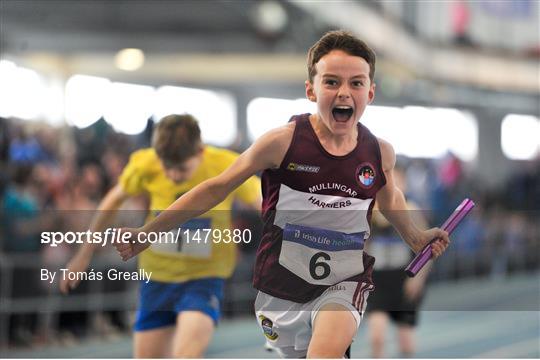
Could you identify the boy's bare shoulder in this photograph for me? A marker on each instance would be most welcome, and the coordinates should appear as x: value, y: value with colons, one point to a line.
x: 281, y: 135
x: 388, y: 155
x: 270, y: 149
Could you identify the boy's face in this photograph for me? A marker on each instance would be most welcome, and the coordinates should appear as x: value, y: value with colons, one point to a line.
x: 179, y: 173
x: 342, y: 90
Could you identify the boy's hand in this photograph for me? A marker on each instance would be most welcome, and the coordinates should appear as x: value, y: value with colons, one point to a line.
x: 79, y: 263
x: 127, y: 250
x: 438, y: 246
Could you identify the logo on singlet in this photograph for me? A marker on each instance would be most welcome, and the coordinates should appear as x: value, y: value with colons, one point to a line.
x: 304, y: 168
x: 365, y: 175
x: 268, y: 328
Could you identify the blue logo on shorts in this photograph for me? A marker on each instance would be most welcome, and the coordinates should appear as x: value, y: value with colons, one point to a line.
x: 268, y: 327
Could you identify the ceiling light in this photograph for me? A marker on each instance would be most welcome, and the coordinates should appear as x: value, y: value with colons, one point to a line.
x: 129, y: 59
x: 270, y: 17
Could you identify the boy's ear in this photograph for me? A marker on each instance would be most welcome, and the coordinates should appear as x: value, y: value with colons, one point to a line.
x: 371, y: 94
x: 310, y: 93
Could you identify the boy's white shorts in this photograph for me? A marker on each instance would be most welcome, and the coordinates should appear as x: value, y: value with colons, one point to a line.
x: 287, y: 325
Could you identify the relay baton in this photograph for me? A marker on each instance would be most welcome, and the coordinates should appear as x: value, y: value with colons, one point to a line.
x: 449, y: 225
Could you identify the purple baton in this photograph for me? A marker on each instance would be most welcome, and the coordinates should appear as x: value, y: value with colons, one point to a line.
x: 449, y: 225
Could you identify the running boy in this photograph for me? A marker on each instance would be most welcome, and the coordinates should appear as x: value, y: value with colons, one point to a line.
x: 321, y: 175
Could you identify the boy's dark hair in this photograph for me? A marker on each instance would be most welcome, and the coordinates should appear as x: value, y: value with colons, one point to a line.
x: 339, y: 40
x: 176, y: 139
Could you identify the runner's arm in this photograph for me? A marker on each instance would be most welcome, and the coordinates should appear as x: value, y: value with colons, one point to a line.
x: 394, y: 207
x: 104, y: 215
x: 267, y: 152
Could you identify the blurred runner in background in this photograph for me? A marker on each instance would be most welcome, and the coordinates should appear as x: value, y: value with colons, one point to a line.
x: 180, y: 306
x: 396, y: 297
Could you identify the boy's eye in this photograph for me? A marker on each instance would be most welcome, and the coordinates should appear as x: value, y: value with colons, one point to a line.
x: 330, y: 82
x: 358, y: 83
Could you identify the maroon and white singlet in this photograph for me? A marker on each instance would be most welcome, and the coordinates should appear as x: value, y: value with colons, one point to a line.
x: 316, y: 212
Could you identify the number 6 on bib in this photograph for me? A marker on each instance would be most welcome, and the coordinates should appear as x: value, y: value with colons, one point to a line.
x: 321, y: 256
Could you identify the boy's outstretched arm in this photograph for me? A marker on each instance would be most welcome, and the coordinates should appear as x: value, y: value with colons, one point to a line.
x: 394, y: 208
x: 267, y: 152
x: 106, y: 210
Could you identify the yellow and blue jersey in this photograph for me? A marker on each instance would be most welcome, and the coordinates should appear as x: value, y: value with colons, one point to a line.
x: 145, y: 174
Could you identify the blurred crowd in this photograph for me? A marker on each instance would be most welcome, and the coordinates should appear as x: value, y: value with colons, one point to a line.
x: 45, y: 170
x: 501, y: 236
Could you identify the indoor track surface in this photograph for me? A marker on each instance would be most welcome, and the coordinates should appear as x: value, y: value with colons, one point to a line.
x: 493, y: 318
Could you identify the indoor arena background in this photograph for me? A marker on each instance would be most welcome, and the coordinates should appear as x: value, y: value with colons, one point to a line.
x: 82, y: 83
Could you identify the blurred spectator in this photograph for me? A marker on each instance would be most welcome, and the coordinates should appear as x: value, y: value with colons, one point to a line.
x: 20, y: 205
x: 419, y: 177
x: 460, y: 16
x: 525, y: 185
x: 4, y: 140
x: 20, y: 235
x: 468, y: 240
x: 25, y: 149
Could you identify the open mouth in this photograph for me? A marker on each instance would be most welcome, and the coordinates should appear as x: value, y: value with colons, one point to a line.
x: 342, y: 113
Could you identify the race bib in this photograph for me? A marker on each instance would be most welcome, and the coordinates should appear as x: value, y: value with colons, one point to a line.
x: 193, y: 239
x: 320, y: 256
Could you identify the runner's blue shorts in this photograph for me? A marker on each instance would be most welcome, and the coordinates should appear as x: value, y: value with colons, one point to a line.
x: 160, y: 302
